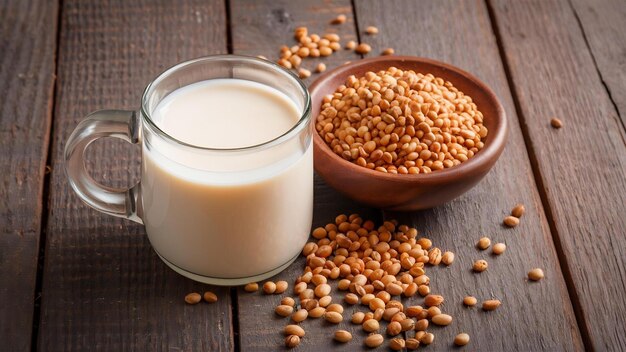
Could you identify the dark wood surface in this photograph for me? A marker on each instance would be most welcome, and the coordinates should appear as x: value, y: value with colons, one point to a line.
x: 103, y: 287
x: 27, y: 48
x: 585, y: 204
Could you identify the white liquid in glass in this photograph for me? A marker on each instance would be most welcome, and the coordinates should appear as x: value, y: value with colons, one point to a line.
x: 227, y: 214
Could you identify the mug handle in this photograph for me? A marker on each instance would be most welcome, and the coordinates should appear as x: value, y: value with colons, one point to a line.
x: 122, y: 124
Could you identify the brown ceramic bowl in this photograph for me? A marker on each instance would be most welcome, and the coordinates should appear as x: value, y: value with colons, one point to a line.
x: 409, y: 192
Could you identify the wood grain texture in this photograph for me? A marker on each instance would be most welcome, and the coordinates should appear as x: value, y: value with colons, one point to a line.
x: 460, y: 33
x: 104, y: 287
x: 262, y: 27
x: 27, y: 47
x: 604, y: 24
x: 554, y: 75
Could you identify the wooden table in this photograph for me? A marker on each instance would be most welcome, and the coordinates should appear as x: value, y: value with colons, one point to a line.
x: 75, y: 279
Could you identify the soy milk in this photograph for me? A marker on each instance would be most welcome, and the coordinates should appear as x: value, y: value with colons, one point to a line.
x: 235, y: 213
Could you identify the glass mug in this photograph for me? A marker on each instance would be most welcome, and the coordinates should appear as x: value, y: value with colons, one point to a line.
x: 218, y: 216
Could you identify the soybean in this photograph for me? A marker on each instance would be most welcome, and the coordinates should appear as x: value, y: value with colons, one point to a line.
x: 480, y: 265
x: 374, y: 340
x: 518, y: 210
x: 535, y: 274
x: 498, y: 248
x: 343, y: 336
x: 292, y: 341
x: 193, y: 298
x: 511, y: 221
x: 209, y: 297
x: 491, y: 304
x: 269, y: 287
x: 461, y: 339
x: 251, y: 287
x: 294, y: 330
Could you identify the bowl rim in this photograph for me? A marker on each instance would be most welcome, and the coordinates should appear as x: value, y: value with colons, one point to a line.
x: 473, y: 165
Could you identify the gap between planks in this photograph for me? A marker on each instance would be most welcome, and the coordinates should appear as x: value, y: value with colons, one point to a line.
x: 45, y: 195
x: 356, y: 27
x: 595, y: 64
x: 234, y: 301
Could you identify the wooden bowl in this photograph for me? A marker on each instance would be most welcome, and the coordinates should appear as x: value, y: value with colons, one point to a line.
x: 409, y: 192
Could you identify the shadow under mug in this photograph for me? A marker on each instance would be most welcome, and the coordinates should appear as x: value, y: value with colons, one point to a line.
x: 218, y: 216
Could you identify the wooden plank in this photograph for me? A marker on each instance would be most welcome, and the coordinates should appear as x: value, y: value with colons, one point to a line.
x: 28, y: 44
x: 104, y: 288
x: 260, y: 28
x: 554, y: 75
x: 604, y: 24
x: 534, y: 316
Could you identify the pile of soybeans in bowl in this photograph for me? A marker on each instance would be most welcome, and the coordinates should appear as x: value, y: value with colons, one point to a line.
x: 401, y: 122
